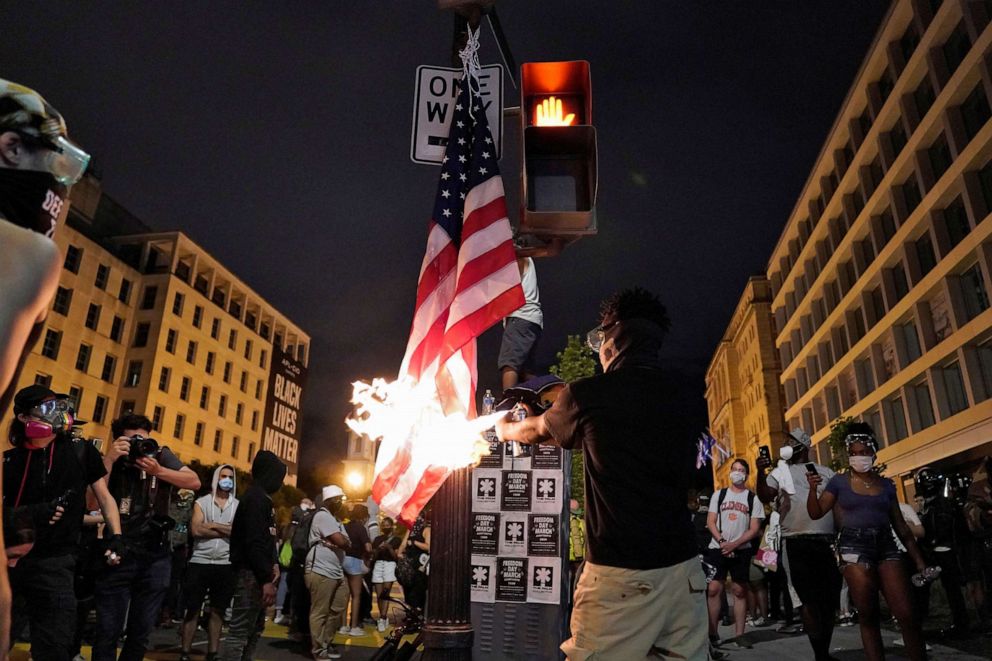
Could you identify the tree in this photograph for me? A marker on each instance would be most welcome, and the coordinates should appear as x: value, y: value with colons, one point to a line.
x: 576, y: 361
x: 838, y: 450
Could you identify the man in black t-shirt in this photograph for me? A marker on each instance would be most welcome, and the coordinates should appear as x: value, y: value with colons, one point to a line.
x: 135, y: 590
x: 636, y: 483
x: 45, y: 477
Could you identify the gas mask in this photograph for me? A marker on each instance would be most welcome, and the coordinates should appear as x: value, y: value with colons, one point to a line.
x: 55, y: 414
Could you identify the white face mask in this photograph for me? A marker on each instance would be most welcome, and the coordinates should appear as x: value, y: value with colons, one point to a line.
x: 785, y: 452
x: 861, y: 464
x: 737, y: 477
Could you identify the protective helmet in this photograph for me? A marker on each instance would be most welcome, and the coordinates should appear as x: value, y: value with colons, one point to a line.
x: 928, y: 481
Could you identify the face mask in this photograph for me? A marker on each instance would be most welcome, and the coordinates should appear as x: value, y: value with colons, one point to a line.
x: 31, y: 199
x: 861, y: 464
x: 226, y: 483
x: 785, y: 452
x: 737, y: 477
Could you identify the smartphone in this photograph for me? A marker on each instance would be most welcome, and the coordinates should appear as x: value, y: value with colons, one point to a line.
x: 765, y: 453
x: 811, y: 469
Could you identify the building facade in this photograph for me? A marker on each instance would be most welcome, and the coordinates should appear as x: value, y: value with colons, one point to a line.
x: 743, y: 392
x: 881, y: 278
x: 150, y: 322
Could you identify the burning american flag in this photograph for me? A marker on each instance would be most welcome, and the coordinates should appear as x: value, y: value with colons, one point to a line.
x: 468, y: 281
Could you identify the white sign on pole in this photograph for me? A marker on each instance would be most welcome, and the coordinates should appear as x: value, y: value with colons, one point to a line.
x: 434, y: 106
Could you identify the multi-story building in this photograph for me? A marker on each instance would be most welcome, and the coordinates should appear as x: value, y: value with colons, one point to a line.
x: 150, y: 322
x: 881, y: 278
x: 743, y: 393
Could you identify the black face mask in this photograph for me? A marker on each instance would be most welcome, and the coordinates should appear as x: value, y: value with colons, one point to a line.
x: 31, y: 199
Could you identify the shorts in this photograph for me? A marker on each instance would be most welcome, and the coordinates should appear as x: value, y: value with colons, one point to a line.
x: 519, y: 345
x: 866, y: 546
x: 812, y: 568
x: 202, y: 579
x: 716, y: 565
x: 384, y: 571
x: 354, y: 566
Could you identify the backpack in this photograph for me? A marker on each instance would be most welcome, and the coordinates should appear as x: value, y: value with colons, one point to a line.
x: 300, y: 540
x: 719, y: 503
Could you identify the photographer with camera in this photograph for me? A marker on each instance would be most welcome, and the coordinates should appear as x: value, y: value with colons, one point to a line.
x: 142, y: 475
x: 46, y: 475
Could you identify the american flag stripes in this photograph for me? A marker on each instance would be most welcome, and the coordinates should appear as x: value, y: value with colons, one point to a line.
x: 468, y: 281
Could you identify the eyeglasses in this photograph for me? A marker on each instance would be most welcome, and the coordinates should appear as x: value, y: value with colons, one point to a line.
x: 596, y: 337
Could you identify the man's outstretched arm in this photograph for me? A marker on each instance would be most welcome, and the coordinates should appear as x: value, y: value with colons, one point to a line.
x: 531, y: 430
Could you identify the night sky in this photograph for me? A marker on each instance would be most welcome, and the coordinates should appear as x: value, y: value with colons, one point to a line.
x: 277, y: 136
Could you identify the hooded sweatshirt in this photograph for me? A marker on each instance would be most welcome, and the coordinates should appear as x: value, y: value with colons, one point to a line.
x: 215, y: 550
x: 253, y: 533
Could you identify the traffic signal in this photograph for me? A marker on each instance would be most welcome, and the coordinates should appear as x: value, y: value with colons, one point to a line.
x: 559, y: 171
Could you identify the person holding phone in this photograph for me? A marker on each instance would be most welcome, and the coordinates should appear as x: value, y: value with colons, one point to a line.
x: 866, y: 508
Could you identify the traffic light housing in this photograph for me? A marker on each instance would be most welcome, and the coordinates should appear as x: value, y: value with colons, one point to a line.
x: 559, y: 170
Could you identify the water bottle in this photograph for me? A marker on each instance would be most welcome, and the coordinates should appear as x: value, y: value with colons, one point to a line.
x: 488, y: 402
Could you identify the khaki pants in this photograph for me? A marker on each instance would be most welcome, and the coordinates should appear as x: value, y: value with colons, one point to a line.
x: 627, y: 614
x: 328, y: 601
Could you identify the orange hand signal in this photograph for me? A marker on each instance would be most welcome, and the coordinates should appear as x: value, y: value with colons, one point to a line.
x: 549, y: 113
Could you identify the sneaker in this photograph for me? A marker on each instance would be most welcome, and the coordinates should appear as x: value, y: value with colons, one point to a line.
x: 280, y: 619
x: 717, y: 654
x: 899, y: 642
x: 790, y: 628
x: 846, y: 621
x: 357, y: 631
x: 182, y: 657
x: 741, y: 644
x: 345, y: 630
x: 761, y: 622
x: 329, y: 653
x: 381, y: 625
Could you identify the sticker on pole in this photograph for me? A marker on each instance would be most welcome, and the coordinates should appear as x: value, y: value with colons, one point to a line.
x: 434, y: 106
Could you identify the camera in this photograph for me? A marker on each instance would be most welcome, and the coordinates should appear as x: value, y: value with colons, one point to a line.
x: 64, y: 500
x: 142, y: 446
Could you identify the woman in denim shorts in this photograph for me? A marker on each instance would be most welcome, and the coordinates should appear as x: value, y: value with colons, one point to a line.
x: 865, y: 508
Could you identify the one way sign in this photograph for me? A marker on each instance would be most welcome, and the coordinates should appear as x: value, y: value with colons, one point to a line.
x: 434, y: 105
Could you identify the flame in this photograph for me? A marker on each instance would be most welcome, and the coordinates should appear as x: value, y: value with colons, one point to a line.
x: 549, y: 112
x: 403, y: 410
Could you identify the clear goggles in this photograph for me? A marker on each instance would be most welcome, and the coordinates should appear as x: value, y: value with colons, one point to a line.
x: 66, y: 161
x: 51, y: 408
x: 596, y: 337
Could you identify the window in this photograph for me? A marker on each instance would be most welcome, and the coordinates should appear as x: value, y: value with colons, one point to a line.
x: 887, y: 224
x: 278, y: 341
x: 251, y: 451
x: 924, y: 252
x: 976, y: 299
x: 865, y: 376
x: 264, y: 330
x: 957, y: 401
x: 197, y: 316
x: 210, y: 362
x: 911, y: 194
x: 124, y: 294
x: 177, y: 431
x: 232, y: 339
x: 985, y: 180
x: 83, y: 357
x: 250, y: 320
x: 975, y: 111
x: 222, y: 406
x: 897, y: 138
x: 924, y: 97
x: 248, y: 348
x: 157, y: 414
x: 239, y: 413
x: 940, y: 156
x: 985, y: 365
x: 864, y: 122
x: 263, y: 358
x: 899, y: 283
x: 73, y: 259
x: 109, y: 367
x: 63, y: 301
x: 171, y: 339
x: 102, y: 275
x: 956, y: 48
x: 244, y: 381
x: 235, y: 309
x: 141, y: 334
x: 258, y: 389
x: 198, y: 434
x: 163, y: 379
x: 885, y: 85
x: 177, y: 304
x: 50, y: 347
x: 219, y: 297
x: 191, y: 352
x: 75, y: 397
x: 254, y: 418
x: 215, y: 328
x: 92, y: 316
x: 897, y: 413
x: 874, y: 419
x: 956, y: 221
x: 201, y: 284
x: 924, y: 405
x: 117, y: 329
x: 43, y: 380
x: 859, y: 324
x: 133, y: 377
x: 227, y: 371
x: 909, y: 41
x: 235, y: 442
x: 911, y: 340
x: 99, y: 409
x: 218, y: 440
x: 184, y: 388
x: 204, y: 397
x: 148, y: 300
x: 127, y: 406
x: 877, y: 303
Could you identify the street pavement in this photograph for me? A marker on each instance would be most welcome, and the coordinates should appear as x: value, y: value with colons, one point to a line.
x: 275, y: 646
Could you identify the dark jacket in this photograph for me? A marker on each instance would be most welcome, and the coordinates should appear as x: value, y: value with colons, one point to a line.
x: 253, y: 532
